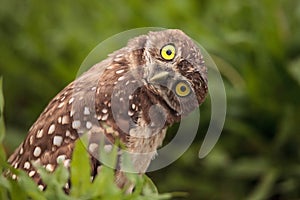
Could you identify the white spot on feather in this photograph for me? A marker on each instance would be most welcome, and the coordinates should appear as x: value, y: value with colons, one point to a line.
x: 21, y: 150
x: 120, y: 71
x: 67, y: 163
x: 41, y: 187
x: 133, y: 106
x: 65, y: 119
x: 110, y: 67
x: 31, y: 140
x: 86, y: 111
x: 62, y: 98
x: 108, y: 148
x: 88, y: 125
x: 31, y: 173
x: 59, y: 120
x: 57, y: 140
x: 68, y: 133
x: 104, y: 117
x: 49, y: 167
x: 61, y: 105
x: 51, y: 129
x: 118, y: 59
x: 72, y: 113
x: 75, y: 124
x: 26, y: 165
x: 104, y: 110
x: 60, y: 158
x: 121, y: 78
x: 71, y: 100
x: 93, y: 147
x: 37, y: 151
x: 130, y: 113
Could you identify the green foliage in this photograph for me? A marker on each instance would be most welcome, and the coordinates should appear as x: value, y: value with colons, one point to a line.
x: 255, y: 44
x: 103, y: 187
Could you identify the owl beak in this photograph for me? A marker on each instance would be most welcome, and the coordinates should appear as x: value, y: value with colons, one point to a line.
x: 159, y: 76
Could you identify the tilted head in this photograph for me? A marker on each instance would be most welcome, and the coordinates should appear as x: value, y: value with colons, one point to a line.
x: 174, y: 69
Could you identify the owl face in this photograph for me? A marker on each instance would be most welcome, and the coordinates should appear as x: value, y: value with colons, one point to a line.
x: 175, y: 70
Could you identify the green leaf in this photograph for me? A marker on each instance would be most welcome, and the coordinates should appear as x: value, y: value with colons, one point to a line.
x: 55, y: 182
x: 149, y: 186
x: 4, y: 182
x: 28, y: 186
x: 22, y: 188
x: 104, y: 185
x: 17, y: 192
x: 80, y: 170
x: 106, y: 177
x: 3, y: 193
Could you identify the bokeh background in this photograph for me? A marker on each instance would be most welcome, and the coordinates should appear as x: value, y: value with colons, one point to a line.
x: 255, y: 44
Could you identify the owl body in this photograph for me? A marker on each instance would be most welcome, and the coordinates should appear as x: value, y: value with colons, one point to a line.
x: 131, y: 97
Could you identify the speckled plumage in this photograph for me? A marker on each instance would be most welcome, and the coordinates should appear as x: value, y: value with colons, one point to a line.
x: 118, y: 98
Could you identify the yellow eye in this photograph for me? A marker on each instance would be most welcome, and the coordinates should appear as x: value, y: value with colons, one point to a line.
x: 182, y: 89
x: 168, y: 52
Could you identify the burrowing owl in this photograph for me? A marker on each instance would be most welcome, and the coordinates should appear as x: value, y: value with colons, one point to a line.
x: 133, y: 96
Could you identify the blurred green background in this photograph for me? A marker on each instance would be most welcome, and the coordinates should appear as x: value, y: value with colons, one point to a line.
x: 255, y: 44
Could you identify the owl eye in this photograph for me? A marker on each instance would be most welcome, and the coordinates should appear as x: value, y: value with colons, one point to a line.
x: 168, y: 52
x: 182, y: 89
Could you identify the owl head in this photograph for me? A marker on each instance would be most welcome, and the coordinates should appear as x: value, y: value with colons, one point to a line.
x: 173, y: 69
